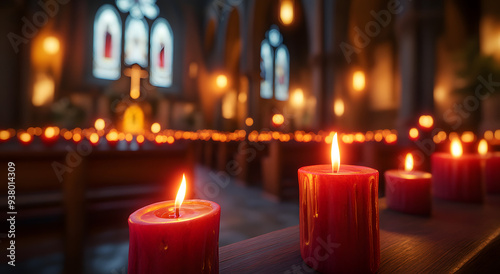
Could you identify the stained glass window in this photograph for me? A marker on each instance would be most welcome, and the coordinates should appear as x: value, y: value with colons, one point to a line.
x: 281, y: 73
x: 274, y: 66
x: 161, y: 53
x: 266, y: 70
x: 107, y: 43
x: 136, y: 41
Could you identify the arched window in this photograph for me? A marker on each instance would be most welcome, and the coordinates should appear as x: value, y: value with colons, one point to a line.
x: 107, y: 43
x: 266, y: 70
x: 275, y: 60
x: 136, y: 41
x: 281, y: 73
x: 161, y: 53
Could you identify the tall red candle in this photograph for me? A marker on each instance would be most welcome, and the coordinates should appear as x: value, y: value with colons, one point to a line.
x: 408, y: 191
x: 457, y: 177
x: 339, y: 223
x: 166, y: 237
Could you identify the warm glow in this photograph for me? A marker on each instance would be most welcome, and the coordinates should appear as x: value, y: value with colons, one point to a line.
x: 112, y: 136
x: 249, y: 122
x: 49, y: 132
x: 338, y: 107
x: 278, y: 119
x: 297, y: 98
x: 456, y: 148
x: 221, y: 81
x: 413, y: 133
x: 229, y: 105
x: 155, y: 127
x: 409, y: 162
x: 482, y: 148
x: 4, y: 135
x: 286, y: 12
x: 43, y: 90
x: 180, y: 196
x: 133, y: 120
x: 358, y: 80
x: 140, y: 139
x: 77, y: 137
x: 25, y: 137
x: 135, y: 82
x: 391, y: 138
x: 488, y: 135
x: 242, y: 97
x: 94, y: 138
x: 468, y: 137
x: 99, y: 124
x: 68, y: 135
x: 426, y: 121
x: 193, y: 70
x: 51, y: 45
x: 335, y: 154
x: 497, y: 134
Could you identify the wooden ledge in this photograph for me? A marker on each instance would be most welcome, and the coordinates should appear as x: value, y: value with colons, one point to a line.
x: 456, y: 238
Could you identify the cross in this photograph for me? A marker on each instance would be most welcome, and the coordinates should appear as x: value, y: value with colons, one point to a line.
x: 135, y: 73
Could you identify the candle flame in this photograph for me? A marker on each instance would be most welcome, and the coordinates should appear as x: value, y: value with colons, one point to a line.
x: 482, y: 148
x: 456, y: 148
x: 335, y: 154
x: 180, y: 196
x: 409, y: 162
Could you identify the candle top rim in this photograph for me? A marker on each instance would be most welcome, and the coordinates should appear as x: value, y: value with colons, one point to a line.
x: 410, y: 175
x: 146, y: 215
x: 344, y: 170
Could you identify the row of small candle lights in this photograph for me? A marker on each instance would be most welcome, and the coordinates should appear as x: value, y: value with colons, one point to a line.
x: 170, y: 136
x: 455, y: 176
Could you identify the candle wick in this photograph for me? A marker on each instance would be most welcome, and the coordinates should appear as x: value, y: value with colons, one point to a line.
x: 177, y: 213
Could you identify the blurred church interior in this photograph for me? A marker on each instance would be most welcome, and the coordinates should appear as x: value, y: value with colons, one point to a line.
x: 104, y: 104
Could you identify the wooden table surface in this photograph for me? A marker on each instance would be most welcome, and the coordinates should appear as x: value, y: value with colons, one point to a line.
x: 457, y: 237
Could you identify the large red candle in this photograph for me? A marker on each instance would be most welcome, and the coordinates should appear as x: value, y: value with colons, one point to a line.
x: 339, y: 223
x: 408, y: 191
x: 457, y: 176
x: 166, y: 237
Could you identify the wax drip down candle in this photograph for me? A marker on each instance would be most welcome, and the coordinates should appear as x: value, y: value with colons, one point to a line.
x: 339, y: 221
x: 408, y: 191
x: 175, y: 237
x: 457, y: 176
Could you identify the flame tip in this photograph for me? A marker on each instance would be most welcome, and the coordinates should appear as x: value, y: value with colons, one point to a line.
x: 335, y: 154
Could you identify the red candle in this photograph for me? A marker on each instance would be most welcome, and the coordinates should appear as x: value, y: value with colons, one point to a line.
x: 408, y: 191
x: 339, y: 223
x: 50, y: 136
x: 457, y: 177
x: 491, y: 168
x: 166, y: 237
